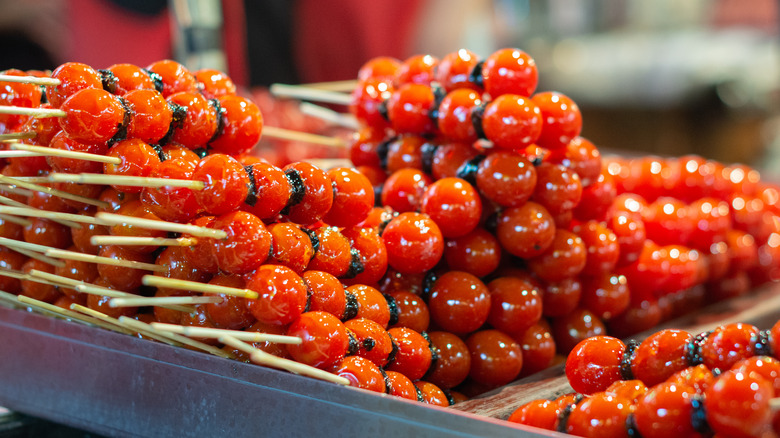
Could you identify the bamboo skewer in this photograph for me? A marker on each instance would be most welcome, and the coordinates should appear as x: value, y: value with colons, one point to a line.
x: 174, y: 283
x: 63, y: 313
x: 39, y: 188
x: 112, y: 323
x: 32, y: 112
x: 35, y: 80
x: 16, y: 220
x: 117, y: 219
x: 132, y: 264
x: 261, y: 357
x: 286, y: 134
x: 19, y: 154
x: 125, y: 180
x: 54, y: 152
x: 156, y: 301
x: 13, y: 136
x: 141, y: 241
x: 33, y: 179
x: 327, y: 114
x: 346, y: 85
x: 37, y: 256
x: 138, y: 325
x: 68, y: 219
x: 307, y: 93
x: 26, y: 277
x: 207, y: 332
x: 14, y: 203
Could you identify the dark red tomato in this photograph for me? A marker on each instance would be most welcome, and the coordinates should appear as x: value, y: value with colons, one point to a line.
x: 526, y: 231
x: 496, y: 359
x: 373, y: 341
x: 46, y: 232
x: 449, y: 157
x: 574, y: 327
x: 242, y: 125
x: 508, y: 71
x: 560, y: 298
x: 226, y: 184
x: 327, y: 293
x: 247, y: 244
x: 477, y: 253
x: 538, y: 348
x: 282, y: 295
x: 561, y: 117
x: 565, y: 257
x: 92, y: 116
x: 151, y: 115
x: 414, y: 356
x: 361, y: 373
x: 175, y: 77
x: 414, y: 243
x: 38, y: 290
x: 120, y: 277
x: 409, y: 109
x: 454, y: 70
x: 352, y: 200
x: 325, y: 340
x: 515, y: 305
x: 73, y: 77
x: 459, y: 302
x: 606, y: 295
x: 453, y: 361
x: 602, y: 247
x: 594, y: 364
x: 454, y: 115
x: 512, y: 122
x: 412, y: 311
x: 214, y: 83
x: 317, y: 196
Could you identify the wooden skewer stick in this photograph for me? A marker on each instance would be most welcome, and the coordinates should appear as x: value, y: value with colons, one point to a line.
x: 207, y: 332
x: 14, y: 244
x: 343, y: 86
x: 135, y: 324
x: 91, y: 289
x: 141, y: 241
x: 132, y: 264
x: 261, y: 357
x: 26, y: 277
x: 327, y: 114
x: 34, y: 255
x: 67, y: 282
x: 33, y: 112
x: 110, y: 323
x: 67, y: 219
x: 125, y: 180
x: 16, y: 220
x: 306, y: 93
x: 33, y: 179
x: 13, y: 136
x: 774, y: 404
x: 62, y: 194
x: 17, y: 154
x: 192, y: 230
x: 35, y: 80
x: 287, y: 134
x: 154, y: 301
x: 175, y: 283
x: 54, y: 152
x: 63, y: 313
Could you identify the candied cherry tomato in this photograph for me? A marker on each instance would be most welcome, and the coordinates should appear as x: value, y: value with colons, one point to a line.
x: 582, y: 156
x: 565, y: 257
x: 561, y: 119
x: 454, y: 115
x: 373, y: 254
x: 175, y: 77
x: 282, y: 295
x: 606, y: 295
x: 454, y: 70
x: 371, y: 304
x: 231, y: 313
x: 247, y: 244
x: 200, y: 123
x: 367, y: 99
x: 459, y: 302
x: 414, y: 243
x: 526, y: 231
x: 412, y: 311
x: 138, y: 159
x: 432, y: 394
x: 602, y: 247
x: 214, y: 83
x: 661, y: 355
x: 510, y: 70
x: 272, y: 191
x: 496, y: 359
x: 93, y: 115
x: 537, y: 413
x: 761, y: 366
x: 291, y: 246
x: 130, y: 77
x: 74, y: 77
x: 151, y: 115
x: 120, y: 277
x: 18, y: 94
x: 506, y: 178
x: 737, y: 405
x: 242, y: 125
x: 380, y: 67
x: 409, y: 109
x: 450, y: 157
x: 38, y: 290
x: 333, y: 253
x: 352, y: 200
x: 361, y: 373
x: 226, y: 184
x: 515, y: 305
x: 325, y: 340
x: 477, y: 253
x: 512, y: 122
x: 557, y: 188
x: 538, y: 348
x: 137, y: 209
x: 373, y: 341
x: 46, y: 232
x: 570, y: 329
x: 664, y: 411
x: 454, y: 205
x: 400, y: 386
x: 404, y: 190
x: 601, y: 415
x: 594, y: 364
x: 728, y: 344
x: 175, y: 204
x: 317, y: 196
x: 413, y: 357
x: 327, y: 294
x: 417, y: 69
x: 453, y: 360
x: 75, y: 165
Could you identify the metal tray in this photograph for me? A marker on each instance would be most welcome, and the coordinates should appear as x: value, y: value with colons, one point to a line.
x: 119, y: 385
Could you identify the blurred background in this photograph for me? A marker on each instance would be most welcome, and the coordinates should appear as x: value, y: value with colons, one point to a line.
x: 664, y: 77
